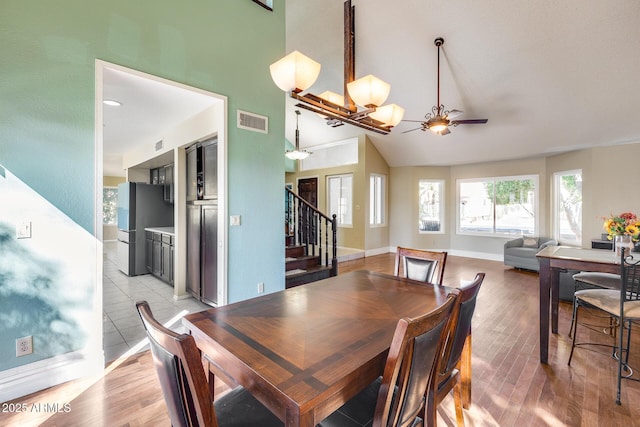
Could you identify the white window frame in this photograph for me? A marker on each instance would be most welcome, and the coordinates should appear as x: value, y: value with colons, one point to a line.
x: 536, y: 206
x: 350, y: 201
x: 442, y: 204
x: 377, y: 200
x: 556, y: 208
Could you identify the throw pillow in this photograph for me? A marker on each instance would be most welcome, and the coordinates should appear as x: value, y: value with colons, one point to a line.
x: 529, y: 242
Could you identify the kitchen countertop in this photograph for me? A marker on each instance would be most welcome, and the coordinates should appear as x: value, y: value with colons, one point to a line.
x: 163, y: 230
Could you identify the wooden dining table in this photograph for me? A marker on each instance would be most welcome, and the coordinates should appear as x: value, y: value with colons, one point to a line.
x: 305, y: 351
x: 553, y: 260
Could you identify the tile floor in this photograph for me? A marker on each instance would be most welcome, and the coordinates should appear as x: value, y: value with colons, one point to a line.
x: 123, y: 330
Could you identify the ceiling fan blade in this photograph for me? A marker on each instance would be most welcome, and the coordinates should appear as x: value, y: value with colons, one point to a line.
x: 469, y: 121
x: 411, y: 130
x: 416, y: 121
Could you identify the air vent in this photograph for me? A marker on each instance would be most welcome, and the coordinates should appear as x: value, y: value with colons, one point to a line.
x: 253, y: 122
x: 159, y: 145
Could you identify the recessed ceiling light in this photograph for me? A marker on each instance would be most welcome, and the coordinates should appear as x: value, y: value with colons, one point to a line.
x: 112, y: 103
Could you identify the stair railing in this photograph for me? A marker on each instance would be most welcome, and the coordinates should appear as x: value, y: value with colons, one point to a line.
x: 306, y: 226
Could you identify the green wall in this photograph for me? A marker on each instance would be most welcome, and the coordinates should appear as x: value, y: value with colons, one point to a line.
x: 48, y: 50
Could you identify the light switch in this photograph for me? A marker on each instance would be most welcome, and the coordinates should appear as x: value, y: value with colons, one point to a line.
x: 23, y: 230
x: 235, y: 220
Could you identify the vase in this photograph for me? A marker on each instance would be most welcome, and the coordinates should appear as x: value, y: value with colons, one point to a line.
x: 622, y: 243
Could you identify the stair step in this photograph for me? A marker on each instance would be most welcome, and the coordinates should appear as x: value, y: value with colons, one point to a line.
x: 302, y: 262
x: 294, y: 251
x: 310, y: 275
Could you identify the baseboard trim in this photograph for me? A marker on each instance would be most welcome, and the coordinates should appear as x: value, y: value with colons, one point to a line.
x: 379, y: 251
x: 477, y: 255
x: 466, y: 254
x: 27, y: 379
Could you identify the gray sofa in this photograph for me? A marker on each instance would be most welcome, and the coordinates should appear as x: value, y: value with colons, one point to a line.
x: 519, y: 255
x: 521, y: 252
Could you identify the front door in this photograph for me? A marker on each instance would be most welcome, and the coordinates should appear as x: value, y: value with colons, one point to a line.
x: 308, y: 190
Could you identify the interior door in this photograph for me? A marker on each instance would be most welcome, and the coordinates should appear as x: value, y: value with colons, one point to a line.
x: 308, y: 190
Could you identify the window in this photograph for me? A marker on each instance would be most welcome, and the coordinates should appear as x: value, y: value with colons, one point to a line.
x: 431, y: 211
x: 376, y: 200
x: 109, y: 205
x: 567, y: 213
x: 504, y: 206
x: 340, y: 198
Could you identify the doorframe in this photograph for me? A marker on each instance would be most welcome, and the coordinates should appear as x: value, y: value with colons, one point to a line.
x: 220, y: 120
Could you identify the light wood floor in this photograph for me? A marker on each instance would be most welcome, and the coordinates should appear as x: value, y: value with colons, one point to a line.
x: 510, y: 387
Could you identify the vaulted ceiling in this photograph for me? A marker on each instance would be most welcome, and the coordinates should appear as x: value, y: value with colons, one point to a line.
x: 551, y: 76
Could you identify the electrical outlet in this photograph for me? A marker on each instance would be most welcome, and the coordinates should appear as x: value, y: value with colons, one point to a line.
x: 260, y: 287
x: 24, y: 346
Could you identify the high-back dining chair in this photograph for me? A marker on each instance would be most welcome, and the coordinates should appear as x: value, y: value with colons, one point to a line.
x: 449, y: 372
x: 416, y: 264
x: 399, y: 397
x: 184, y: 384
x: 623, y: 305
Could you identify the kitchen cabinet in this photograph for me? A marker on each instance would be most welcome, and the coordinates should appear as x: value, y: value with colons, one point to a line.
x: 160, y: 253
x: 202, y: 171
x: 168, y: 183
x: 166, y: 256
x: 163, y: 176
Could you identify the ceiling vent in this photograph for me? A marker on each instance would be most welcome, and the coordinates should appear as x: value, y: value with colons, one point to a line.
x: 159, y: 145
x: 253, y: 122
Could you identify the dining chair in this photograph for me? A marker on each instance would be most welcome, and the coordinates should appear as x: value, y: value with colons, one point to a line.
x: 184, y: 384
x: 621, y: 304
x: 420, y: 265
x: 591, y: 280
x: 448, y: 377
x: 399, y: 397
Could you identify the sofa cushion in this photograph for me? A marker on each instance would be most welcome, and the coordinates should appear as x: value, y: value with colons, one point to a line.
x: 529, y: 242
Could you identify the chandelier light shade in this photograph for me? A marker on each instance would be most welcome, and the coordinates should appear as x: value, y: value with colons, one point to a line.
x: 389, y: 115
x: 297, y: 154
x: 332, y: 97
x: 295, y: 72
x: 369, y: 91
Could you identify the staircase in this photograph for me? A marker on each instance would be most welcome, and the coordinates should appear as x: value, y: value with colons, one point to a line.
x: 310, y: 239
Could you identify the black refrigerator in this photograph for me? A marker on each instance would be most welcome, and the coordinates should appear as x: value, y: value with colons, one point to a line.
x: 139, y: 206
x: 202, y: 221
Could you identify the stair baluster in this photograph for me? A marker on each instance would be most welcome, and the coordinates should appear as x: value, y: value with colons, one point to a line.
x: 307, y: 227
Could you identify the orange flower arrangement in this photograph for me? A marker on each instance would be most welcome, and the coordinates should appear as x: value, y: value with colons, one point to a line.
x: 625, y: 224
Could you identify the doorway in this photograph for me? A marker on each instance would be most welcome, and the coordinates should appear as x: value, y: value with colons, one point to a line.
x: 114, y: 80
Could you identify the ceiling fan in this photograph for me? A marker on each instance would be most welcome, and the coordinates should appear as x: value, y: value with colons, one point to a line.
x: 439, y: 120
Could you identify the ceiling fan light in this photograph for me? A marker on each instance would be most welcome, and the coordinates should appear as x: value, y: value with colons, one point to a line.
x: 438, y: 127
x: 297, y: 154
x: 369, y: 91
x: 390, y: 114
x: 295, y: 72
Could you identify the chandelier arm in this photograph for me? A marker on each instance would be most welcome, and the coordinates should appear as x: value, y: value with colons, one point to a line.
x: 367, y: 123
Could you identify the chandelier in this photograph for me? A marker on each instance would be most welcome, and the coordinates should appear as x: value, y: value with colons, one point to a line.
x: 296, y: 72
